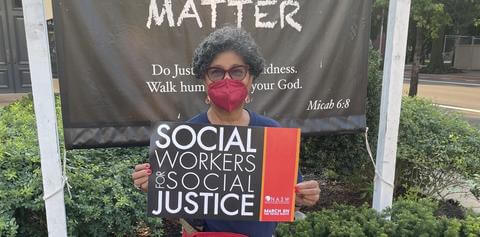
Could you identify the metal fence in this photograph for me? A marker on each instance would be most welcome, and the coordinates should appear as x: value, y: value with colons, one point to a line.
x: 453, y: 40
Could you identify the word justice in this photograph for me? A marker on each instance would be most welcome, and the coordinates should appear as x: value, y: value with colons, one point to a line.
x: 190, y: 11
x: 193, y: 202
x: 234, y: 140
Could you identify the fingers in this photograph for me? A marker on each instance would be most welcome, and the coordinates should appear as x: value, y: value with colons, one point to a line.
x: 308, y: 197
x: 140, y: 176
x: 312, y: 191
x: 144, y: 186
x: 307, y: 184
x: 308, y: 193
x: 142, y: 166
x: 308, y: 188
x: 310, y: 200
x: 140, y: 181
x: 141, y: 173
x: 141, y: 170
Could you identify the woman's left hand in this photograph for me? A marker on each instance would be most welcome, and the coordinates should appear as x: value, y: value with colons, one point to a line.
x: 307, y: 193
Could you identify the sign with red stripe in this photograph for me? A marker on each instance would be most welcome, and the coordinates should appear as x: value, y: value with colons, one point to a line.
x: 280, y: 164
x: 223, y: 172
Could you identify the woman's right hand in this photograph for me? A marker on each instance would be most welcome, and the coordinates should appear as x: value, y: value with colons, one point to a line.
x: 140, y: 176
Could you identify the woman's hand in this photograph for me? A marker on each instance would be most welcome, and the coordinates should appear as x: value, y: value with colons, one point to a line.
x: 140, y: 176
x: 307, y: 193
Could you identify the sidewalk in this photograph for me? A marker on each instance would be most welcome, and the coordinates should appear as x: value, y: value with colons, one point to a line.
x: 8, y: 98
x: 466, y: 199
x: 466, y: 75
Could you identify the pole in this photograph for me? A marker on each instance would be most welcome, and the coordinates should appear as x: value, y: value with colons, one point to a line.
x: 444, y: 44
x: 396, y: 44
x: 44, y: 104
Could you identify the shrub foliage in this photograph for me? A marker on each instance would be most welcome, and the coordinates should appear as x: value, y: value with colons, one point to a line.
x: 102, y: 202
x: 408, y: 218
x: 437, y: 150
x: 345, y: 157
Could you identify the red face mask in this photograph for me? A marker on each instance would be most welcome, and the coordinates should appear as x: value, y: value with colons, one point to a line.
x: 227, y: 94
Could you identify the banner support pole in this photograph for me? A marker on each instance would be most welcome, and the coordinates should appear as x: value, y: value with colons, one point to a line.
x: 45, y: 114
x: 392, y: 86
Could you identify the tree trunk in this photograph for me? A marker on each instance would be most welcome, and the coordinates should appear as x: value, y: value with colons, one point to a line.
x: 414, y: 32
x: 436, y: 62
x: 457, y: 40
x: 416, y: 63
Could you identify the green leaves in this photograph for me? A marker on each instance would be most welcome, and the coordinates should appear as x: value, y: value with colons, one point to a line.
x: 8, y: 226
x: 430, y: 16
x: 342, y: 220
x: 103, y: 201
x: 344, y: 157
x: 436, y: 149
x: 407, y: 218
x: 471, y: 226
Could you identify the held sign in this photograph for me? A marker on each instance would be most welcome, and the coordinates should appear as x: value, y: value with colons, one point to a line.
x: 223, y: 172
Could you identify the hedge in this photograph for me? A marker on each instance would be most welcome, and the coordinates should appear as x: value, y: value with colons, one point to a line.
x: 103, y: 201
x: 437, y: 149
x: 407, y: 218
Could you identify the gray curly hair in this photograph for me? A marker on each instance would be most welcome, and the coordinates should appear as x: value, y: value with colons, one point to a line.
x: 225, y: 39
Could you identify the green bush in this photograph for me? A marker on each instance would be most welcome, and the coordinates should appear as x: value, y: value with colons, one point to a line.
x: 407, y: 218
x: 436, y: 149
x: 342, y: 220
x: 344, y: 157
x: 103, y: 201
x: 471, y: 226
x: 8, y: 225
x: 414, y: 218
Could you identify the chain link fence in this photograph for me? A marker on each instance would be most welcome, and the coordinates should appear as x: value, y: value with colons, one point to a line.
x: 453, y: 40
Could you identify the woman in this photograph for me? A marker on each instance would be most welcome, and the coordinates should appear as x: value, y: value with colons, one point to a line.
x: 228, y: 61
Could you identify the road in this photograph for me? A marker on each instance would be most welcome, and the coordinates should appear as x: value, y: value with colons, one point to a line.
x: 458, y: 92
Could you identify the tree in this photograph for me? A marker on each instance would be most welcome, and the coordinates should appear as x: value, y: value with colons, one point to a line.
x: 463, y: 15
x: 378, y: 24
x: 429, y: 19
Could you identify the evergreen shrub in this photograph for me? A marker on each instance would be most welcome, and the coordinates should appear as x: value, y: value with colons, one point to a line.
x: 437, y: 149
x: 408, y: 218
x: 103, y: 201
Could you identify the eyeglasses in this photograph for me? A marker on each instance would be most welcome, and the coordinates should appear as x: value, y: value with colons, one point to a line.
x: 236, y: 73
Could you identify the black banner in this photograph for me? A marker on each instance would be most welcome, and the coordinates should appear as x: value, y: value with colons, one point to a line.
x: 123, y: 64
